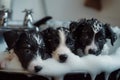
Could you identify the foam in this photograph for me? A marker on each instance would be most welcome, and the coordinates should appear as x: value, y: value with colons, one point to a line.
x: 89, y: 64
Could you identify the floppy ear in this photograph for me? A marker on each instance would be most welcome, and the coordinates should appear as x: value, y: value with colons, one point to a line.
x: 10, y: 38
x: 110, y: 34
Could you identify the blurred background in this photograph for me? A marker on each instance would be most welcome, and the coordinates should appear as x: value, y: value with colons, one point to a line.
x: 104, y: 10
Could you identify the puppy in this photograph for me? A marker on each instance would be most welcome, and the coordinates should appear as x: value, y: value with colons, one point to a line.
x: 90, y: 36
x: 58, y: 39
x: 59, y: 42
x: 28, y: 47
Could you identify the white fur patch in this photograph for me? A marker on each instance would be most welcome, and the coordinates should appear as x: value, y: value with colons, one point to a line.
x: 62, y: 47
x: 96, y: 27
x: 37, y: 38
x: 91, y: 46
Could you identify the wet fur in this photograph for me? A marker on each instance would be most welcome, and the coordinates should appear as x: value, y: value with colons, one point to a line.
x: 85, y: 37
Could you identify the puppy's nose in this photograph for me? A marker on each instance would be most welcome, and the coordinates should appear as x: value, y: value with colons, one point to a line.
x: 63, y: 58
x: 92, y: 51
x: 37, y: 68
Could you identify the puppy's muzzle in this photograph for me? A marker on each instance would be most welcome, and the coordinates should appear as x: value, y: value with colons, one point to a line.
x: 63, y: 58
x: 37, y: 68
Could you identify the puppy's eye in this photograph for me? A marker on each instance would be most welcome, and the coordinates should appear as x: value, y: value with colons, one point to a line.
x: 27, y: 51
x: 100, y: 39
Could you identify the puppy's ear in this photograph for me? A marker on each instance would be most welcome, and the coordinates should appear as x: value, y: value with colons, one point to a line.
x: 10, y: 38
x: 73, y: 26
x: 110, y: 34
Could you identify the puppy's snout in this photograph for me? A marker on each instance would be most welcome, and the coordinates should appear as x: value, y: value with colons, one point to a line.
x: 92, y: 51
x: 63, y: 58
x: 37, y: 68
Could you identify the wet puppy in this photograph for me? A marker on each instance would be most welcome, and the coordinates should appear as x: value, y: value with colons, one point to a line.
x: 59, y: 42
x: 90, y: 36
x: 28, y: 47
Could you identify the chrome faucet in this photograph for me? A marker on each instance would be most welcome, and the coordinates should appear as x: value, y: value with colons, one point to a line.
x: 4, y: 17
x: 28, y: 19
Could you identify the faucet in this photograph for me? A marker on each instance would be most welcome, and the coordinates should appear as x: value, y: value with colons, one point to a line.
x: 28, y: 19
x: 4, y: 17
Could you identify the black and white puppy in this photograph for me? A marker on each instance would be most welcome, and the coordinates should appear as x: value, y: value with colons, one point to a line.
x: 28, y: 46
x: 59, y: 42
x: 90, y: 36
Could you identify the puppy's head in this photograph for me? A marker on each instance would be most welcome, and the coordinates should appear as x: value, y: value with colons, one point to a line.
x: 90, y: 35
x: 59, y: 43
x: 29, y: 48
